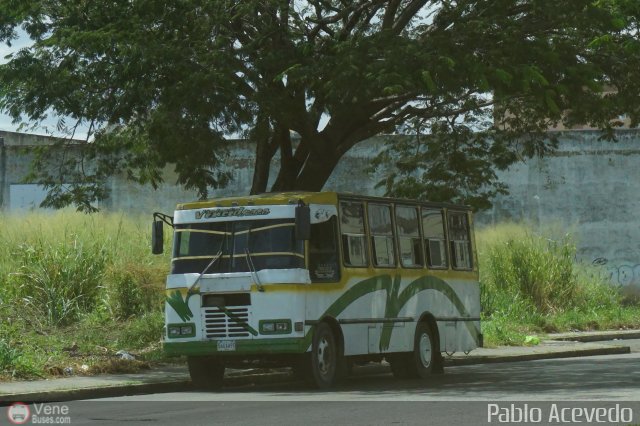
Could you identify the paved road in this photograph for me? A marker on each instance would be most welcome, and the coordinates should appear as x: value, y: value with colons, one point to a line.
x: 379, y: 399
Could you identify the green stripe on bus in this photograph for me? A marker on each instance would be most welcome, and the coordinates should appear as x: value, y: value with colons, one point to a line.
x: 396, y: 300
x: 238, y: 321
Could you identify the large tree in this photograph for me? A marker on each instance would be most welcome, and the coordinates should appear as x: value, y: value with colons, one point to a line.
x: 162, y: 83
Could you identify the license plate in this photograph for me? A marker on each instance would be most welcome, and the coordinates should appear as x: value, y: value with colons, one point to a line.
x: 226, y: 345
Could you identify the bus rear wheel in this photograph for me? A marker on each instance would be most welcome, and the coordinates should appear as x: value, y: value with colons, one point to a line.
x: 325, y: 356
x: 206, y: 372
x: 423, y: 361
x: 425, y: 354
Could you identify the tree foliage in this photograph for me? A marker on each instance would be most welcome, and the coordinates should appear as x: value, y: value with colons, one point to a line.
x: 167, y: 82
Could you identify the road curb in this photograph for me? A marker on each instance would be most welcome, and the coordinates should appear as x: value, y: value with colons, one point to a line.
x: 276, y: 377
x: 138, y: 389
x: 97, y: 392
x: 471, y: 360
x: 595, y: 337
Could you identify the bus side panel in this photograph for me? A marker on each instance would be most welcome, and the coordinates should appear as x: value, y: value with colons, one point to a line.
x: 374, y: 322
x: 457, y: 316
x: 354, y: 316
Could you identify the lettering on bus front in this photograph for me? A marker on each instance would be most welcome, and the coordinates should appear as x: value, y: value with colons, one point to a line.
x: 230, y: 212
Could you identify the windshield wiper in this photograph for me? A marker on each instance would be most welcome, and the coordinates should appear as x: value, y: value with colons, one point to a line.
x: 249, y: 259
x: 217, y: 256
x: 252, y: 268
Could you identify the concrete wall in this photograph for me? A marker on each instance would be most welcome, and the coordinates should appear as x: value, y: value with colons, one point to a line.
x: 349, y: 176
x: 588, y: 187
x: 15, y: 162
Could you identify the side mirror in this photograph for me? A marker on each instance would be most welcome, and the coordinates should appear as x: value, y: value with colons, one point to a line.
x: 157, y: 237
x: 303, y: 222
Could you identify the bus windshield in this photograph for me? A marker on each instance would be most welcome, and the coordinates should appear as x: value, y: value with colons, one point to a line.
x: 270, y: 243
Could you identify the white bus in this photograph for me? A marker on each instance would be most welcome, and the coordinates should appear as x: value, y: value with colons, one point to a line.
x: 319, y: 281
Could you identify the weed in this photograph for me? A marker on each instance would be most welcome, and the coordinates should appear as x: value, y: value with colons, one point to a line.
x: 133, y: 290
x: 142, y: 331
x: 533, y: 283
x: 56, y: 283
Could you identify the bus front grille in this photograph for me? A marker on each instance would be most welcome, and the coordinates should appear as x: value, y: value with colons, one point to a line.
x: 229, y: 322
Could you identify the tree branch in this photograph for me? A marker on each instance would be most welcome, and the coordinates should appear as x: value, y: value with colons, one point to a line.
x: 407, y: 15
x: 390, y: 14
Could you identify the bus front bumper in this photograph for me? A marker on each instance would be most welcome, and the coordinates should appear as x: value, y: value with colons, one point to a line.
x: 223, y: 348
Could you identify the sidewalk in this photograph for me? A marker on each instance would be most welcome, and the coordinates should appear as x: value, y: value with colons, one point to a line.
x: 176, y: 378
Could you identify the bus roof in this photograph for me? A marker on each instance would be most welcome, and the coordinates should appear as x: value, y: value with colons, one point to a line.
x: 282, y: 198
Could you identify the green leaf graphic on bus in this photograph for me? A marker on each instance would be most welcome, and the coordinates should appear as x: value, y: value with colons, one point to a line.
x: 392, y: 309
x: 180, y: 305
x: 238, y: 321
x: 395, y: 303
x: 396, y: 300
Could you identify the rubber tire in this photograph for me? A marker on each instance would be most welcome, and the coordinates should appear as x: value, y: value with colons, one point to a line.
x: 425, y: 352
x: 325, y: 357
x: 205, y: 372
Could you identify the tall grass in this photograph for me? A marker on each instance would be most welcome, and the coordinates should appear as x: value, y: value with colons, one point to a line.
x: 61, y: 265
x: 92, y: 274
x: 533, y: 282
x: 56, y: 283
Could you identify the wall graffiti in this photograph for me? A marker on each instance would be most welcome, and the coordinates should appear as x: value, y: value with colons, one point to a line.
x: 624, y: 275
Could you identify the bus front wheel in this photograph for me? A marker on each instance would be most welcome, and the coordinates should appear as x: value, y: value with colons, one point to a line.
x: 206, y: 372
x: 324, y: 357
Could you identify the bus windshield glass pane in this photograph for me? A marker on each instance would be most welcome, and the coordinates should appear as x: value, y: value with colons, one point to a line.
x: 271, y: 244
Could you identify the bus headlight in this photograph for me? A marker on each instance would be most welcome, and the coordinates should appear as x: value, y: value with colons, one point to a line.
x: 181, y: 330
x: 268, y: 327
x: 279, y: 326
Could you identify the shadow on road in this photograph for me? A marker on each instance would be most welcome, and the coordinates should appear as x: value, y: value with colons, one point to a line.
x: 572, y: 377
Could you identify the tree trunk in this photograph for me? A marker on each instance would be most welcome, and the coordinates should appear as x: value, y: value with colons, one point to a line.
x: 261, y: 169
x: 290, y: 167
x: 316, y: 172
x: 287, y: 173
x: 263, y: 136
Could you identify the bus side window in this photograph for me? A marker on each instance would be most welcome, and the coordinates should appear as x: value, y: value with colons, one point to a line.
x: 434, y: 238
x: 381, y: 232
x: 410, y: 245
x: 323, y: 252
x: 459, y: 240
x: 354, y: 248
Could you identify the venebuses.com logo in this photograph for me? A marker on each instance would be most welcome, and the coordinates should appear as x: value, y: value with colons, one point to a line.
x: 18, y: 413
